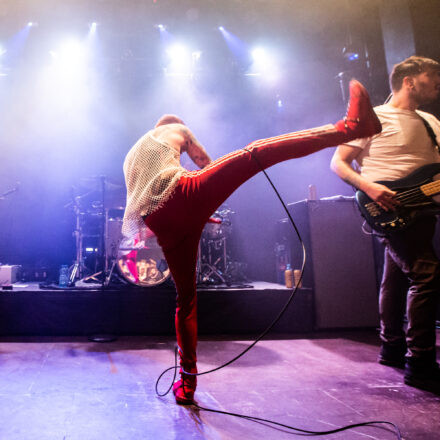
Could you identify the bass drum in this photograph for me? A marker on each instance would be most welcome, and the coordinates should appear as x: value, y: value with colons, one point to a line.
x: 141, y: 261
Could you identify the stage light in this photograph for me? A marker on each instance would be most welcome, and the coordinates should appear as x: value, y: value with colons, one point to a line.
x: 93, y: 26
x: 69, y: 60
x: 264, y: 64
x: 177, y: 52
x: 279, y: 103
x: 259, y: 55
x: 30, y: 24
x: 179, y: 57
x: 161, y: 27
x: 238, y: 48
x: 181, y: 61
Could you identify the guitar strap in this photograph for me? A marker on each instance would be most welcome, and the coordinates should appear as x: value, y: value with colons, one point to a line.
x: 431, y: 133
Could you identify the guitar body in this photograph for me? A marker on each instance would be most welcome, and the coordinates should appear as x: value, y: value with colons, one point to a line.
x: 418, y: 194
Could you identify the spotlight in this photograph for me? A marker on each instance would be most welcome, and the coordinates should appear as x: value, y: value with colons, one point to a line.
x: 30, y: 24
x: 279, y: 103
x: 161, y: 27
x: 221, y: 28
x: 259, y: 55
x: 177, y: 53
x: 93, y: 26
x: 181, y: 60
x: 264, y: 64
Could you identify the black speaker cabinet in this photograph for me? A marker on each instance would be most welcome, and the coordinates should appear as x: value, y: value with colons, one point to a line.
x: 340, y: 262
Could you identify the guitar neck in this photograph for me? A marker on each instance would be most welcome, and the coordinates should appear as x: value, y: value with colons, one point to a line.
x: 430, y: 189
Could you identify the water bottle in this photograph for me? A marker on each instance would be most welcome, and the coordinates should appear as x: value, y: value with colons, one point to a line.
x: 288, y: 276
x: 64, y: 276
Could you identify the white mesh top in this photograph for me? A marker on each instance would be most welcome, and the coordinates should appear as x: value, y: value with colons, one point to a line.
x: 152, y: 170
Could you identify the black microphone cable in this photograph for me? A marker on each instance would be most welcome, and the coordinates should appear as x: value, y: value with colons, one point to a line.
x: 280, y: 314
x: 297, y: 431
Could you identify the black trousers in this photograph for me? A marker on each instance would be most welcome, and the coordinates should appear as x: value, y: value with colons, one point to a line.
x: 410, y: 283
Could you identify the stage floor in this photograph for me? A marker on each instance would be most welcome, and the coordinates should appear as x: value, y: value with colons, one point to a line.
x: 72, y: 389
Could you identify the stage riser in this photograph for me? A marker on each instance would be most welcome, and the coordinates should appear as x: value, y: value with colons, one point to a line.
x: 149, y: 312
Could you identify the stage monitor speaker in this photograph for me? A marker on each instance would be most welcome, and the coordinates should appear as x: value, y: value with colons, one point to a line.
x: 340, y: 262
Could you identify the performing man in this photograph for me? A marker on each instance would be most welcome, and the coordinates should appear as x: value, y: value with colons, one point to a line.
x: 411, y: 277
x: 176, y: 203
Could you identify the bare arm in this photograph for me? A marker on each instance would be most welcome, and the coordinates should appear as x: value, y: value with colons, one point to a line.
x: 194, y: 148
x: 341, y: 165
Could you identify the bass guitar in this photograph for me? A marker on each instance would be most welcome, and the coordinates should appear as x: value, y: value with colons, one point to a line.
x: 418, y: 194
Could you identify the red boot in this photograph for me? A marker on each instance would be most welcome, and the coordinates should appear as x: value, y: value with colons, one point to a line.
x: 361, y: 120
x: 184, y: 389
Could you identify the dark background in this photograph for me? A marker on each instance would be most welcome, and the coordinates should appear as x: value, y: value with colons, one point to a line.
x: 55, y: 133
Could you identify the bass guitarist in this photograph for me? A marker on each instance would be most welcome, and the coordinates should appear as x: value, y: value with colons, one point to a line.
x: 411, y: 278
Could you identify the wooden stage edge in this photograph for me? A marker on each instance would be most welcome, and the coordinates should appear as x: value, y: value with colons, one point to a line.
x: 130, y: 310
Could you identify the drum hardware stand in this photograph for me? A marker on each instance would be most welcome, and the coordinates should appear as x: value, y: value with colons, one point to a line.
x: 206, y: 270
x: 101, y: 276
x: 104, y: 218
x: 104, y: 337
x: 78, y: 269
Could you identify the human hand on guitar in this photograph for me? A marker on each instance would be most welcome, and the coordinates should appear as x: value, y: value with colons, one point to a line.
x: 382, y: 195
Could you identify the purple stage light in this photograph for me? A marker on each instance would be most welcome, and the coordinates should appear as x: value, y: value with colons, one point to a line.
x: 237, y: 47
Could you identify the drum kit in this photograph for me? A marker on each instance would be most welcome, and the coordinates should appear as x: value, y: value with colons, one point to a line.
x: 104, y: 256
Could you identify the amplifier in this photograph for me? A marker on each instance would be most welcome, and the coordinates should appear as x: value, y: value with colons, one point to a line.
x: 340, y: 267
x: 8, y: 275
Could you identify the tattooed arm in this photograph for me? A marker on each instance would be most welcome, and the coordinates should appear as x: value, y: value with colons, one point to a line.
x: 194, y: 148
